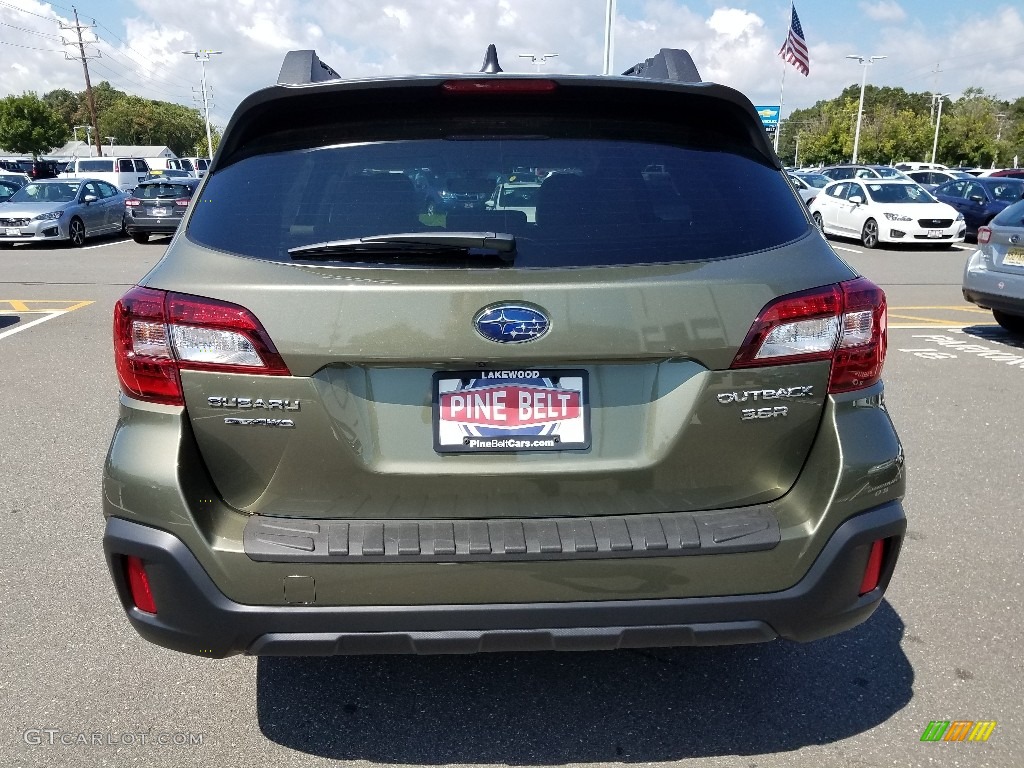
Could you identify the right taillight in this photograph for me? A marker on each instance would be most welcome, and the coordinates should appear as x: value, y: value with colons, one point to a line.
x: 844, y: 323
x: 157, y: 334
x: 984, y: 235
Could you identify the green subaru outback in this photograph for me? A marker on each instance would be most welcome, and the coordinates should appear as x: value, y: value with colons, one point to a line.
x: 644, y: 412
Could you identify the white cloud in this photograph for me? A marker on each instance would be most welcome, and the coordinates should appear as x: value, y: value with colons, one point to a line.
x: 885, y: 11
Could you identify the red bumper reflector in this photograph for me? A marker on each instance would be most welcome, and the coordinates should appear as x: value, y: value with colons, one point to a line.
x: 873, y: 572
x: 138, y: 584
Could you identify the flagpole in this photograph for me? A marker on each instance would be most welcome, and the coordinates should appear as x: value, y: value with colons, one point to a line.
x: 782, y: 88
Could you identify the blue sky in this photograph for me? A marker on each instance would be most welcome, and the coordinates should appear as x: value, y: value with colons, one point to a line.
x: 973, y: 43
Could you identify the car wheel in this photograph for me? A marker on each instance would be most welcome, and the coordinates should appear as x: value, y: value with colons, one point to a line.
x: 124, y: 226
x: 818, y: 221
x: 1012, y: 323
x: 869, y: 235
x: 76, y: 232
x: 140, y: 237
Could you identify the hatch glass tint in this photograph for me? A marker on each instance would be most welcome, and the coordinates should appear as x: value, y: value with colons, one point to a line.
x: 590, y: 202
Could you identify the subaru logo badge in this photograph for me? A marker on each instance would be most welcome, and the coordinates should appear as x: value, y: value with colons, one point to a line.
x: 1014, y: 239
x: 511, y: 323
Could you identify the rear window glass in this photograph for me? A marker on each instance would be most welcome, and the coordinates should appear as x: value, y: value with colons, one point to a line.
x: 1011, y: 216
x: 96, y: 166
x: 154, y: 191
x: 598, y: 201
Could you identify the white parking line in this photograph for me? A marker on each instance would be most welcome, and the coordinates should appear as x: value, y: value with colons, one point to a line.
x: 103, y: 245
x: 42, y: 319
x: 848, y: 250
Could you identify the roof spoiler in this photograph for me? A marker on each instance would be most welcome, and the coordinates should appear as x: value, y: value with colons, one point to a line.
x: 669, y: 64
x: 303, y: 67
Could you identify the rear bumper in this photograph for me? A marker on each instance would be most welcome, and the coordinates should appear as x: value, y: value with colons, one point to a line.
x: 1003, y: 291
x: 195, y: 617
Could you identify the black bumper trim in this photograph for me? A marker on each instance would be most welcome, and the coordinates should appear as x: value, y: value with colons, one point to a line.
x: 195, y: 617
x: 293, y: 540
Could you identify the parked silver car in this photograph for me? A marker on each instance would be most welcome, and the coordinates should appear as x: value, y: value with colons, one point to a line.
x: 62, y: 209
x: 994, y: 275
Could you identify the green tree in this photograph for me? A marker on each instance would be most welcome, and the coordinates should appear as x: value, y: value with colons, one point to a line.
x: 29, y: 125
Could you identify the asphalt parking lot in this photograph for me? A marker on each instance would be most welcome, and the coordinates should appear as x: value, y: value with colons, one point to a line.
x: 79, y: 688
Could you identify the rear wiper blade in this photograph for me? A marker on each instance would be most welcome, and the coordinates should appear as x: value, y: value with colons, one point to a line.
x: 424, y: 243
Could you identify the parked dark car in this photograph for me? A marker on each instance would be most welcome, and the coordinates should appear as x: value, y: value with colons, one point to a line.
x: 851, y: 171
x: 980, y: 199
x: 157, y: 205
x: 932, y: 179
x: 444, y: 192
x: 35, y: 169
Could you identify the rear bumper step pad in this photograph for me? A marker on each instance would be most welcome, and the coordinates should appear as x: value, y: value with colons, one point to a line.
x: 291, y: 540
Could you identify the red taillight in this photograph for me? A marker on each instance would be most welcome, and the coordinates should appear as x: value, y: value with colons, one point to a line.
x: 499, y: 85
x: 844, y: 323
x: 873, y: 571
x: 133, y: 202
x: 183, y: 202
x: 984, y: 235
x: 138, y: 584
x: 157, y: 334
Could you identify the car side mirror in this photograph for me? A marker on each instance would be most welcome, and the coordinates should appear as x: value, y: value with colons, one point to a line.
x: 977, y: 199
x: 90, y: 199
x: 856, y: 200
x: 489, y: 204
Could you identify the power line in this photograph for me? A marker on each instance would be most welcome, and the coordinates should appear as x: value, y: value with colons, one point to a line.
x: 22, y: 10
x: 32, y: 48
x: 29, y: 31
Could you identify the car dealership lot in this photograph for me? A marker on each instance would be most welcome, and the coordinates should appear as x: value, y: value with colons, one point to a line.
x: 79, y: 687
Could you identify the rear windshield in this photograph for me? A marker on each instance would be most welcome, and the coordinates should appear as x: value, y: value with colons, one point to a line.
x: 159, y: 191
x: 1011, y: 216
x: 599, y: 201
x: 96, y: 166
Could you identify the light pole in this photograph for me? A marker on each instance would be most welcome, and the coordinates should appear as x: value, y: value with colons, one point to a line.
x: 110, y: 141
x: 938, y: 121
x: 537, y: 59
x: 203, y: 56
x: 74, y: 129
x: 865, y: 61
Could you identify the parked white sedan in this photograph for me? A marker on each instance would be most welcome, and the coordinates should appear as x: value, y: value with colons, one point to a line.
x: 886, y: 211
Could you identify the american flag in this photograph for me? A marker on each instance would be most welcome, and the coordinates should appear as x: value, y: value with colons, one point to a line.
x: 794, y: 50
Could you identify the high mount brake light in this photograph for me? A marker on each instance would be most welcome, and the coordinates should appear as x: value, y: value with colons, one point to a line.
x: 158, y: 334
x: 844, y: 323
x: 499, y: 85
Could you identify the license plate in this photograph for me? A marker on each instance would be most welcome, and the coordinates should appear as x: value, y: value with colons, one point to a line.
x: 934, y: 233
x: 1014, y: 257
x: 159, y: 211
x: 12, y: 232
x: 511, y: 411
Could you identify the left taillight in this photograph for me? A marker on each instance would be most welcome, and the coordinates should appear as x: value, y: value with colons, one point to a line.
x: 844, y: 322
x: 157, y: 334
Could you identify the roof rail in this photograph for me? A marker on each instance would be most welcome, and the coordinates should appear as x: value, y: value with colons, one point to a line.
x: 302, y: 67
x: 669, y: 64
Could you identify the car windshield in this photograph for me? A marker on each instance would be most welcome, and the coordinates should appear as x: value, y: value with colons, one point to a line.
x: 814, y: 179
x: 602, y: 207
x: 95, y: 166
x: 888, y: 173
x: 1008, y: 191
x: 898, y: 193
x: 162, y: 191
x: 45, y: 193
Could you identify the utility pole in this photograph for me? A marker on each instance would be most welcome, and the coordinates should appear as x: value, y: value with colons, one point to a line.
x: 203, y: 56
x: 85, y: 67
x: 609, y: 37
x: 864, y: 61
x: 940, y: 97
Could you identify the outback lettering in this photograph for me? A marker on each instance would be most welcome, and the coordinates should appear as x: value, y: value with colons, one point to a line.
x: 725, y: 398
